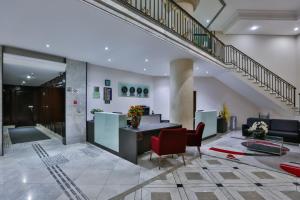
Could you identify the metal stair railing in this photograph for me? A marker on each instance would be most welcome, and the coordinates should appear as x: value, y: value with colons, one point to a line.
x: 170, y: 16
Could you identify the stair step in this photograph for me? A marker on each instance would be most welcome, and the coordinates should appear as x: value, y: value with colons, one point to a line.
x: 278, y: 97
x: 272, y: 92
x: 283, y: 100
x: 245, y: 74
x: 261, y: 86
x: 250, y: 79
x: 267, y: 90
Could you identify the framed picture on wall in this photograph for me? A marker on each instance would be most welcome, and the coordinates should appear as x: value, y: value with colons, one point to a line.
x: 107, y: 95
x: 107, y: 82
x: 96, y: 92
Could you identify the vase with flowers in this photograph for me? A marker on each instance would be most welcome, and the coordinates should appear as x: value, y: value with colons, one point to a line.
x: 135, y: 113
x: 259, y: 130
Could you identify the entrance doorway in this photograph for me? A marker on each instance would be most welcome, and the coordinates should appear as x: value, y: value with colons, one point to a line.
x: 33, y: 98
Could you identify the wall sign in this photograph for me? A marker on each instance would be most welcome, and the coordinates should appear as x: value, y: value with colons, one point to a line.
x: 133, y: 90
x: 107, y: 82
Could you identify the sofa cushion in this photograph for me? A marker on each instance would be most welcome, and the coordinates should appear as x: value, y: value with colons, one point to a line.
x: 250, y: 121
x: 283, y: 134
x: 284, y: 125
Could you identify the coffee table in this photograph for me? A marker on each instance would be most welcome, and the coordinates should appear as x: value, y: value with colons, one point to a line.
x: 270, y: 145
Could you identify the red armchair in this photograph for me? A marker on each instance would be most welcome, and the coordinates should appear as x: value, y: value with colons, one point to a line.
x: 169, y: 141
x: 194, y: 137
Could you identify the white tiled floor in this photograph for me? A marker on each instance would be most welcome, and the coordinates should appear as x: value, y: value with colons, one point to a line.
x: 100, y: 175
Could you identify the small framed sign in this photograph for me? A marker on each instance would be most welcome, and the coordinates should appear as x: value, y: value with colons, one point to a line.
x: 107, y: 82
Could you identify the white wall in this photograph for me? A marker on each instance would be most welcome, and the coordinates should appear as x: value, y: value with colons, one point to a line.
x: 96, y: 76
x: 277, y: 53
x: 211, y: 94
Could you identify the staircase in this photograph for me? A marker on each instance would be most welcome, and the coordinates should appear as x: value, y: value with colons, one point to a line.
x: 171, y: 17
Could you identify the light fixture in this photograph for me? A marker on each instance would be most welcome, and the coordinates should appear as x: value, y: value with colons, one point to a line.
x: 207, y: 21
x: 106, y: 48
x: 253, y: 28
x: 206, y: 72
x: 109, y: 60
x: 146, y: 60
x: 24, y: 180
x: 48, y: 45
x: 145, y: 69
x: 296, y: 29
x: 28, y: 76
x: 23, y: 82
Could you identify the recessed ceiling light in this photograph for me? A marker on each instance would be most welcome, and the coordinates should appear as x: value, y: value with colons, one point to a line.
x: 106, y: 48
x: 48, y: 45
x: 253, y: 28
x: 28, y: 76
x: 206, y: 72
x: 109, y: 60
x: 146, y: 60
x: 145, y: 69
x: 296, y: 29
x: 207, y: 21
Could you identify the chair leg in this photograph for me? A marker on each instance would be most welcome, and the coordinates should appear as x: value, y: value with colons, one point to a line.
x: 199, y: 151
x: 183, y: 158
x: 159, y: 161
x: 150, y: 155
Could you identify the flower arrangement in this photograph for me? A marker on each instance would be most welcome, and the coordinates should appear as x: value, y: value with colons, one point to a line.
x: 135, y: 113
x: 94, y: 110
x: 259, y: 129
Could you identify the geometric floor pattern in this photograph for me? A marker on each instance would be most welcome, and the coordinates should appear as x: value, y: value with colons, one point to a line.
x: 211, y: 178
x: 40, y: 170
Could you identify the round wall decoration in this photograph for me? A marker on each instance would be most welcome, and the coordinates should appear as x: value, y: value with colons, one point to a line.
x: 139, y: 90
x: 132, y: 90
x: 124, y: 90
x: 146, y: 91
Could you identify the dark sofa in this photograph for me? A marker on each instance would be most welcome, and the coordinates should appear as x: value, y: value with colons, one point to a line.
x: 288, y: 129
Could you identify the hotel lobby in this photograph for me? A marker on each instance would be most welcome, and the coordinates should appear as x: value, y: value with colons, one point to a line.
x: 149, y: 100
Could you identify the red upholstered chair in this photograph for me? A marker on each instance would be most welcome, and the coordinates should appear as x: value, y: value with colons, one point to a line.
x: 169, y: 141
x: 194, y: 137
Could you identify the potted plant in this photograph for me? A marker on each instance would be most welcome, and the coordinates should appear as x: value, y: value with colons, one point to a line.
x: 135, y: 113
x: 259, y: 130
x: 94, y: 110
x: 223, y: 119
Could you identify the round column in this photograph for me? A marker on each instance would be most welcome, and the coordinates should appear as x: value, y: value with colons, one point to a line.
x: 181, y: 92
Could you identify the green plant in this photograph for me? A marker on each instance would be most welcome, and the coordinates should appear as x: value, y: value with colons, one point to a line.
x: 94, y: 110
x: 224, y: 113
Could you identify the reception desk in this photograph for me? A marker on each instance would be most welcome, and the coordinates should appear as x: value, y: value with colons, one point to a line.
x: 106, y: 129
x: 210, y: 120
x: 112, y: 134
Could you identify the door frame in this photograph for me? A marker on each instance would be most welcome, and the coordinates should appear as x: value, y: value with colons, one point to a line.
x: 26, y: 53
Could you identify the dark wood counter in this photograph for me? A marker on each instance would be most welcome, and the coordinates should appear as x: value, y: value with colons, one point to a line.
x: 133, y: 142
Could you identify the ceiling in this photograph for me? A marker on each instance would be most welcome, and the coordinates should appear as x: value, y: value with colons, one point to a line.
x: 273, y: 17
x: 19, y: 70
x: 76, y: 30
